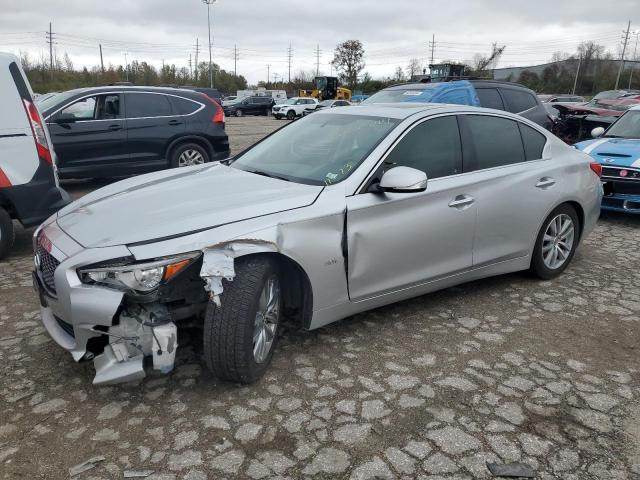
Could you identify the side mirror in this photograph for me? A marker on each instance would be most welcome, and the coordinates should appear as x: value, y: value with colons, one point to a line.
x: 403, y: 180
x: 597, y: 132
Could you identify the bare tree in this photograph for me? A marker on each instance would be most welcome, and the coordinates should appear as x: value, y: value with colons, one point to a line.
x: 348, y: 59
x: 398, y: 75
x: 414, y: 67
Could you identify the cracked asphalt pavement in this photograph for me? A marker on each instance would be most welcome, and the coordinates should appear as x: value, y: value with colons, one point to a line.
x: 507, y: 369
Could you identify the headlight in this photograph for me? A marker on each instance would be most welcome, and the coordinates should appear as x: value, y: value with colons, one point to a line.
x: 139, y: 277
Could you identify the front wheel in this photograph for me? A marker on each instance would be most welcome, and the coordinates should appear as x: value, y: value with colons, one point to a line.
x: 7, y: 233
x: 239, y: 113
x: 241, y: 335
x: 291, y: 115
x: 556, y: 243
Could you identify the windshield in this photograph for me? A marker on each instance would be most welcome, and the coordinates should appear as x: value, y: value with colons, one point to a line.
x: 627, y: 126
x: 291, y: 101
x: 325, y: 103
x: 394, y: 96
x: 49, y: 101
x: 320, y: 149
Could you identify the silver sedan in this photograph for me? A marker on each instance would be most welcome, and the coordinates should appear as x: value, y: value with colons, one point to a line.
x: 340, y: 212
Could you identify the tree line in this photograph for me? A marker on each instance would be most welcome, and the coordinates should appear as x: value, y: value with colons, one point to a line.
x: 63, y: 76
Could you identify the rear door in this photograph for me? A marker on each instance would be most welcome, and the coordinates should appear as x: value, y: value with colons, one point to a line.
x: 515, y: 187
x: 151, y: 126
x: 89, y: 135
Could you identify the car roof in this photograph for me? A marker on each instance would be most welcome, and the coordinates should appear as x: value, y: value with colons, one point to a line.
x: 420, y: 85
x: 127, y: 88
x: 402, y: 110
x: 635, y: 107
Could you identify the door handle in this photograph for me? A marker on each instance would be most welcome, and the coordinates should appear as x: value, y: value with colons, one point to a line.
x: 115, y: 127
x: 545, y: 182
x: 462, y: 201
x: 175, y: 122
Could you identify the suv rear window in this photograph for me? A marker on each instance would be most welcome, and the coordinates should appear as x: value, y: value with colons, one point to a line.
x: 518, y: 101
x: 147, y: 105
x: 490, y: 98
x: 182, y: 106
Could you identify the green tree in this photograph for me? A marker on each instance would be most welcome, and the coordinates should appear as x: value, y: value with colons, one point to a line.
x: 348, y: 59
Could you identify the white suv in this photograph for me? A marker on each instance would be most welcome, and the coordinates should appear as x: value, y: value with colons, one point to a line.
x: 293, y: 107
x: 29, y: 191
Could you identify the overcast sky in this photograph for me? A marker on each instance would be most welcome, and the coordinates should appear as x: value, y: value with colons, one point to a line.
x: 392, y: 32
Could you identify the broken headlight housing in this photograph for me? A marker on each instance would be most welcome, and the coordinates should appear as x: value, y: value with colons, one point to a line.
x: 139, y: 277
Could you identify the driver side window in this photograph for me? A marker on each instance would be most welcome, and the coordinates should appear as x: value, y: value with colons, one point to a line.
x: 81, y: 110
x: 432, y: 146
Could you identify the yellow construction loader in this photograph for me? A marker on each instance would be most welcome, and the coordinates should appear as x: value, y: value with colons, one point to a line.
x: 326, y: 88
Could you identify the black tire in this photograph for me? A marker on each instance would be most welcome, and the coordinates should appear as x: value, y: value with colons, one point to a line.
x: 277, y: 117
x: 538, y: 266
x: 239, y: 113
x: 229, y: 329
x: 291, y: 115
x: 7, y: 233
x: 178, y: 150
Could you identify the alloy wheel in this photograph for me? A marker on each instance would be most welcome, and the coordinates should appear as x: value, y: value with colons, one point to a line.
x: 557, y: 242
x: 267, y: 317
x: 190, y: 157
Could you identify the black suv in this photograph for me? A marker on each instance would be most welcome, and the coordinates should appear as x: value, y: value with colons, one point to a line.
x: 119, y: 130
x: 511, y: 97
x: 249, y: 106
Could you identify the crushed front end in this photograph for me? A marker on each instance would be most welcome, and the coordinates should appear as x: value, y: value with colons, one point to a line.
x: 101, y: 304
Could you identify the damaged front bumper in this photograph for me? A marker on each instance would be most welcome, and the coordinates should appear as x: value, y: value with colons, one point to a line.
x: 89, y: 321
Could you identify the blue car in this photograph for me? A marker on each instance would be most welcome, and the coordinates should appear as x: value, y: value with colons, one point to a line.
x: 617, y: 149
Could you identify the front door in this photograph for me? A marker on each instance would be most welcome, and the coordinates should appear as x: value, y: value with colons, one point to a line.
x: 400, y: 240
x: 89, y: 135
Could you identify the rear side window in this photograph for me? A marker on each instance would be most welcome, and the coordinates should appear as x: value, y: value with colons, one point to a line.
x: 496, y: 141
x: 533, y: 141
x: 182, y: 106
x: 490, y: 98
x: 432, y: 146
x: 518, y: 101
x: 147, y: 105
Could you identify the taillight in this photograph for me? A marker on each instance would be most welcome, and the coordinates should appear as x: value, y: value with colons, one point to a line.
x: 218, y: 117
x: 37, y: 127
x: 596, y: 168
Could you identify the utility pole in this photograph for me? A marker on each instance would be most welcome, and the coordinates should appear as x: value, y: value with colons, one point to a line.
x: 190, y: 68
x: 268, y: 73
x: 50, y: 42
x: 635, y: 49
x: 432, y: 44
x: 197, y: 52
x: 101, y: 60
x: 575, y: 80
x: 235, y: 60
x: 624, y: 50
x: 289, y: 58
x: 317, y: 60
x: 126, y: 65
x: 208, y: 3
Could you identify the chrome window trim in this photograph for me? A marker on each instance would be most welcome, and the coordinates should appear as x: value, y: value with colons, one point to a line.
x: 361, y: 187
x: 202, y: 106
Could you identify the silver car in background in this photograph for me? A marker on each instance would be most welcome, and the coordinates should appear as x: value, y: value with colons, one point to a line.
x: 343, y: 211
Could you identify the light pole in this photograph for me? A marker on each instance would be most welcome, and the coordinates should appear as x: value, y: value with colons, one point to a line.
x: 635, y: 49
x: 208, y: 3
x: 126, y: 65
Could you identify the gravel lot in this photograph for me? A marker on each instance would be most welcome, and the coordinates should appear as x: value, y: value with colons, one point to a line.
x: 501, y: 370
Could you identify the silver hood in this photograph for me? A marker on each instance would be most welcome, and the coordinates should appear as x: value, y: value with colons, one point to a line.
x: 177, y: 202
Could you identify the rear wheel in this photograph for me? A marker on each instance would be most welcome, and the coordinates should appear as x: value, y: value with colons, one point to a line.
x: 556, y: 243
x: 7, y: 233
x: 291, y: 115
x: 188, y: 154
x: 239, y: 113
x: 241, y: 335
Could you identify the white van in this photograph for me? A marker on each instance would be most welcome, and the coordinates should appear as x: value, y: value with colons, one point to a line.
x: 29, y: 190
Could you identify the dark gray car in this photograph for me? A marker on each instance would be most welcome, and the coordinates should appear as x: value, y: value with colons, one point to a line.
x: 506, y: 96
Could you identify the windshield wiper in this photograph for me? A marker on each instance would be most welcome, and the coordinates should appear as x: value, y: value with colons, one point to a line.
x: 270, y: 175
